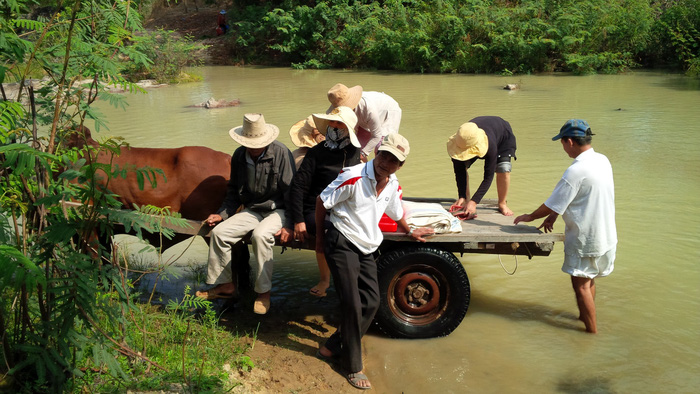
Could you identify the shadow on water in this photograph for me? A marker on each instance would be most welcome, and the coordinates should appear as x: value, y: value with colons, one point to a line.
x: 587, y: 385
x: 681, y: 83
x: 519, y: 310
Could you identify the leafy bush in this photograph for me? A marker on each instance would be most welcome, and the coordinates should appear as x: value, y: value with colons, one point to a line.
x: 460, y: 36
x: 170, y: 54
x: 67, y: 314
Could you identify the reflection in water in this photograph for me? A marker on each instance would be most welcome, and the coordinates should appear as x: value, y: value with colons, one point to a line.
x: 520, y: 333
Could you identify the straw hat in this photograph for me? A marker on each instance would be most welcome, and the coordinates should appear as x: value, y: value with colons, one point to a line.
x: 341, y: 114
x: 469, y: 141
x: 397, y: 145
x: 254, y: 133
x: 302, y: 133
x: 341, y: 95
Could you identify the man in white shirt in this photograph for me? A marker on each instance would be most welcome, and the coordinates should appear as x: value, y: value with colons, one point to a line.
x: 378, y: 114
x: 585, y: 197
x: 356, y: 200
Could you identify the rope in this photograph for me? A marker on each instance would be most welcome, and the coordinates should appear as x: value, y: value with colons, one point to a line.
x: 169, y: 263
x: 504, y: 268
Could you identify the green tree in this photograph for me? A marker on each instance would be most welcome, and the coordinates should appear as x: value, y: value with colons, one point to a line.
x: 63, y: 302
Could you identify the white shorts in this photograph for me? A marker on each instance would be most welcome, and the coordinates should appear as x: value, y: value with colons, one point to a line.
x: 590, y: 267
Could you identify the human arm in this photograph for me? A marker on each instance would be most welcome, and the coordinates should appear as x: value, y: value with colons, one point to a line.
x: 320, y: 218
x: 376, y: 136
x: 462, y: 181
x: 538, y: 213
x: 300, y: 187
x: 418, y: 233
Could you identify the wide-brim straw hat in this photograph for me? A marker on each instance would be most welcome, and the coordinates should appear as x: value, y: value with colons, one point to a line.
x: 302, y: 133
x: 341, y: 114
x: 254, y: 133
x: 469, y: 141
x: 340, y: 95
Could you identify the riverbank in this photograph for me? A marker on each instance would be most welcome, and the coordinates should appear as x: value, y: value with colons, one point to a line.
x: 199, y: 24
x: 283, y: 346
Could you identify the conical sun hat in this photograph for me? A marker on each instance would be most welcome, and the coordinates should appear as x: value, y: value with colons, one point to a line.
x: 254, y: 133
x: 341, y: 114
x: 302, y: 133
x: 469, y: 141
x: 340, y: 95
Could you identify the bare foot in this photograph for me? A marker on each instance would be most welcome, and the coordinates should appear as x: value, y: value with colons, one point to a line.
x: 503, y: 208
x: 320, y: 289
x: 224, y: 290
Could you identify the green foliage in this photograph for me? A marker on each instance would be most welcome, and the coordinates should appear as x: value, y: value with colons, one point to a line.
x: 168, y: 54
x: 66, y: 312
x: 678, y: 36
x: 458, y: 36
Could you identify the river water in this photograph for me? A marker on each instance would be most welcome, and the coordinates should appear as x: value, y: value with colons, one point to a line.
x: 519, y: 334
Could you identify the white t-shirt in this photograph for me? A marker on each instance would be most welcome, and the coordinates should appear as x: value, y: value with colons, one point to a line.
x: 355, y: 209
x: 585, y: 197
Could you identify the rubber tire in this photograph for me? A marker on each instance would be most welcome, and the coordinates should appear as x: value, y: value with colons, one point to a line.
x: 422, y: 267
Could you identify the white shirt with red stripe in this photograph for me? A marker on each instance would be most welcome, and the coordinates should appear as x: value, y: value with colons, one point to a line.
x: 355, y: 209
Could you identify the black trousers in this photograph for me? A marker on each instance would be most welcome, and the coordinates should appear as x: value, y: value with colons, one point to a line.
x: 355, y: 280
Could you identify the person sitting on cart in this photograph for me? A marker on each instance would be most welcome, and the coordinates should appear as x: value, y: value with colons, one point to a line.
x: 262, y: 169
x: 320, y: 167
x: 356, y: 200
x: 485, y: 137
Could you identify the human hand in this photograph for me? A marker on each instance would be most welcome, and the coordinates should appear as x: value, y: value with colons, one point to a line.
x: 458, y: 205
x: 213, y: 219
x: 300, y: 231
x: 285, y: 235
x: 421, y: 232
x: 522, y: 218
x: 548, y: 224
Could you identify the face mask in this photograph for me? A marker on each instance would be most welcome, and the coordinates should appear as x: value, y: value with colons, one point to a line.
x: 337, y: 138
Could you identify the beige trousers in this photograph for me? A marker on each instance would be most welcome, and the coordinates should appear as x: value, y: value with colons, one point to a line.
x: 231, y: 231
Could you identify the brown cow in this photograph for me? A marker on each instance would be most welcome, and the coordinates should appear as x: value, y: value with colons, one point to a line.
x: 196, y: 184
x: 195, y: 176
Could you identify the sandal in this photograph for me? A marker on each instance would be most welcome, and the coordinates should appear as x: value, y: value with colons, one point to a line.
x: 355, y: 378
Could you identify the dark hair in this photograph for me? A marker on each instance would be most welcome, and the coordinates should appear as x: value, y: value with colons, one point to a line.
x: 581, y: 141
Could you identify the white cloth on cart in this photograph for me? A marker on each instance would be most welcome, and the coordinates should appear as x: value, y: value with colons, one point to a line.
x: 433, y: 215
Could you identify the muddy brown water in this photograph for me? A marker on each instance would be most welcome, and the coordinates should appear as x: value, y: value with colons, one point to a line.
x: 519, y: 334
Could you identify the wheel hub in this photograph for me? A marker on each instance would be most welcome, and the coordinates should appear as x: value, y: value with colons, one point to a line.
x: 417, y: 293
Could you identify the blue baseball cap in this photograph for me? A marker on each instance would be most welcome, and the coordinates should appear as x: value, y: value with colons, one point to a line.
x: 572, y: 128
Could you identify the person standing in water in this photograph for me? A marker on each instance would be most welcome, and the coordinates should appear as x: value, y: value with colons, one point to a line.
x: 585, y: 197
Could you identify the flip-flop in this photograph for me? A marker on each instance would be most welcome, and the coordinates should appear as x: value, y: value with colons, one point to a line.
x: 213, y: 296
x: 354, y: 380
x: 317, y: 293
